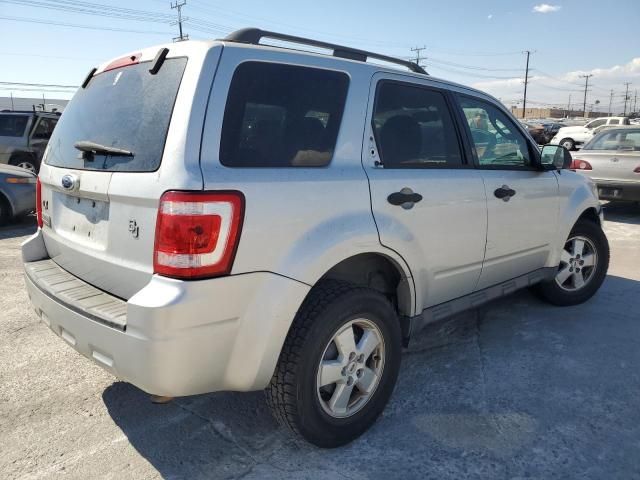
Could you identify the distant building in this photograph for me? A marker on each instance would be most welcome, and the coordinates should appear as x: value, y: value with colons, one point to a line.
x: 18, y: 103
x: 554, y: 113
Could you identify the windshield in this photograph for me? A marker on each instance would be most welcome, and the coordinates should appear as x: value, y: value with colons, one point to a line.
x: 126, y: 108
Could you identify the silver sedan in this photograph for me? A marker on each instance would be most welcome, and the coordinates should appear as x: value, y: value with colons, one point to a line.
x: 612, y: 160
x: 17, y: 192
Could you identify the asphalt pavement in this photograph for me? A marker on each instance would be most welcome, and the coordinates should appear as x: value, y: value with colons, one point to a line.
x: 517, y: 389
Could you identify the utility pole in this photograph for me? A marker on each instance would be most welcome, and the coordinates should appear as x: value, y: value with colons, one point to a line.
x: 626, y: 97
x: 526, y: 81
x: 586, y: 85
x: 12, y: 107
x: 178, y: 6
x: 635, y: 101
x: 610, y: 101
x: 418, y: 50
x: 569, y: 106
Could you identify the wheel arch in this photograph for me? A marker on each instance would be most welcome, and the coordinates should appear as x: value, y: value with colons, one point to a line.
x: 5, y: 200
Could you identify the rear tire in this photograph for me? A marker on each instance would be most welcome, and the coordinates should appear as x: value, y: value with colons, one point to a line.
x: 568, y: 143
x: 582, y: 269
x: 28, y: 162
x: 324, y: 388
x: 5, y: 211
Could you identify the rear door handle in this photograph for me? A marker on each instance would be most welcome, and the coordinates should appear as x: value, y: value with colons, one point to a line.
x: 404, y: 198
x: 504, y: 192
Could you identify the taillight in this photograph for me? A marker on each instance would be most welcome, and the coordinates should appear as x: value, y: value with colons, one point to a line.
x: 578, y: 164
x: 197, y: 233
x: 39, y: 202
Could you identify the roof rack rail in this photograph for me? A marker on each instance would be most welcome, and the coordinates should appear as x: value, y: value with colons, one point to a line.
x: 254, y: 35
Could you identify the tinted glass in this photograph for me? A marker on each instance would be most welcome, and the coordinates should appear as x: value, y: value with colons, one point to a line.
x: 45, y: 128
x: 614, y: 121
x: 616, y: 140
x: 13, y: 125
x: 126, y: 108
x: 282, y: 116
x: 496, y: 140
x: 596, y: 123
x: 414, y: 128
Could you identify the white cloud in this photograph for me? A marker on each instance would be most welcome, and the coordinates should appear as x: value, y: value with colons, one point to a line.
x: 490, y: 16
x: 546, y: 8
x: 544, y: 89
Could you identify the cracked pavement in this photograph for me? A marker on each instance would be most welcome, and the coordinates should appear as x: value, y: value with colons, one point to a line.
x: 517, y: 389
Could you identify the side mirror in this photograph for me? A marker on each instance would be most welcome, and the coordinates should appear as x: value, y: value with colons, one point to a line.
x: 555, y: 157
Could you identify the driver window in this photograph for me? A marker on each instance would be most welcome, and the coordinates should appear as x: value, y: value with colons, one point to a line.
x: 496, y: 140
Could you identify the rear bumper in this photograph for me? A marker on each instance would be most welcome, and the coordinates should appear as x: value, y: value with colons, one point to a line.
x: 629, y: 191
x: 181, y: 338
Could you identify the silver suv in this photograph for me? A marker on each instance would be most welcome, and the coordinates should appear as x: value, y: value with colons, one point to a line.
x: 24, y: 137
x: 227, y: 215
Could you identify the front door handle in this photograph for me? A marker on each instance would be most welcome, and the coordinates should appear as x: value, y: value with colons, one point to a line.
x: 404, y: 198
x: 504, y: 192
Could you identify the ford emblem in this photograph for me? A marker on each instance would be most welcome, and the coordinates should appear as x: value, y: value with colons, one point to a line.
x: 69, y: 182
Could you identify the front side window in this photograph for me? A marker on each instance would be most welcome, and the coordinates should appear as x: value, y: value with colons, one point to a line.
x: 414, y: 128
x: 282, y: 116
x: 496, y: 140
x: 13, y: 125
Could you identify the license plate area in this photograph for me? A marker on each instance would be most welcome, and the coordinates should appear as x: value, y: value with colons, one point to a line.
x: 82, y: 220
x: 609, y: 192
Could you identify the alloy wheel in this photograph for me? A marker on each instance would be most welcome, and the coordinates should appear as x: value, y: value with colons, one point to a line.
x: 350, y: 368
x: 577, y: 264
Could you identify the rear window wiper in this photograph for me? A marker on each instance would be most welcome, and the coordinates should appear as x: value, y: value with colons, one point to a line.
x: 92, y: 148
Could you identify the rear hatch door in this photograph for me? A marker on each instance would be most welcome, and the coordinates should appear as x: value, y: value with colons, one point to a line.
x: 121, y: 142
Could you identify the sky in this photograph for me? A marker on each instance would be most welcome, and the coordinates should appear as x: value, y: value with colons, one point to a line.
x: 477, y: 43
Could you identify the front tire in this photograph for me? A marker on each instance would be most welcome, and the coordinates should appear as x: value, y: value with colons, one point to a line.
x: 568, y: 143
x: 583, y: 266
x: 338, y: 366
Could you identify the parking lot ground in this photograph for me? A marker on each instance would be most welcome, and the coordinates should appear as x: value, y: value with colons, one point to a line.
x: 517, y: 389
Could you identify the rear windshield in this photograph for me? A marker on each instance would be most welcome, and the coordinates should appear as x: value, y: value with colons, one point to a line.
x: 282, y: 116
x: 13, y: 125
x: 126, y: 108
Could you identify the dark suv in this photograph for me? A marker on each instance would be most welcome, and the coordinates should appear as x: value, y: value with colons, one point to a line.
x: 24, y: 136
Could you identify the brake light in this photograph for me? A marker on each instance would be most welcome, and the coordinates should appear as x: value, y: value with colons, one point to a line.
x: 123, y: 62
x: 39, y: 202
x: 578, y: 164
x: 197, y: 233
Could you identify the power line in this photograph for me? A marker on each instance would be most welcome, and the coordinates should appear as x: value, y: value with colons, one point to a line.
x: 38, y: 85
x: 75, y: 25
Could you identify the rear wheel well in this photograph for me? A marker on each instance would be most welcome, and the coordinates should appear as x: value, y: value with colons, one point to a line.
x: 378, y: 272
x: 591, y: 215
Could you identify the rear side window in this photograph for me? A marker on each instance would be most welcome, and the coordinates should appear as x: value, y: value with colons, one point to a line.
x: 126, y: 108
x: 282, y: 116
x: 614, y: 121
x: 45, y: 128
x: 13, y: 125
x: 414, y: 128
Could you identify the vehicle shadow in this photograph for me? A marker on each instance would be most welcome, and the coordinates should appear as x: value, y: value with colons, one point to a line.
x: 19, y: 227
x: 622, y: 212
x: 515, y: 388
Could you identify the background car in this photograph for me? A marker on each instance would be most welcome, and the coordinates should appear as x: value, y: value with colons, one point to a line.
x: 572, y: 137
x: 17, y: 192
x: 24, y: 136
x: 612, y: 160
x: 537, y: 131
